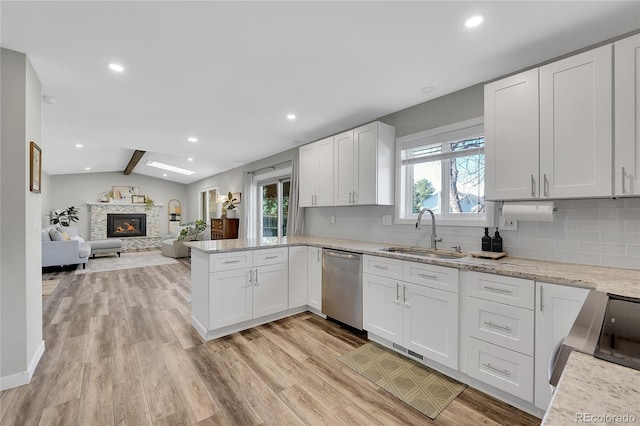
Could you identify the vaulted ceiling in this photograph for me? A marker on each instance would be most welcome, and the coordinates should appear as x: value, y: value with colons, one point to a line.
x: 228, y: 73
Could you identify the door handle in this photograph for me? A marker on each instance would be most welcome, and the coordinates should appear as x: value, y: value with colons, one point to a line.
x: 623, y: 191
x: 533, y: 187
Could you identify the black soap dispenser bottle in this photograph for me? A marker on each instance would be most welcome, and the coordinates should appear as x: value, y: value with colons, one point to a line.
x: 496, y: 242
x: 486, y: 240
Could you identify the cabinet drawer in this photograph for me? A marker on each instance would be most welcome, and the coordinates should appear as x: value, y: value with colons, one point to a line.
x: 507, y: 326
x: 504, y: 369
x: 432, y: 276
x: 497, y: 288
x: 270, y: 256
x: 232, y: 260
x: 216, y: 224
x: 383, y: 266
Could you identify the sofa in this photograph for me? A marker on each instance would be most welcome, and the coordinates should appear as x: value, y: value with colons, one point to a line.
x: 63, y: 245
x: 174, y: 247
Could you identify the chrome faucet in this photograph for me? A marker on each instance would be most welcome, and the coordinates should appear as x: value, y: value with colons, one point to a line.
x: 434, y: 239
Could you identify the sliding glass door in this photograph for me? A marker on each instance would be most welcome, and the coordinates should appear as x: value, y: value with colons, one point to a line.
x: 273, y: 207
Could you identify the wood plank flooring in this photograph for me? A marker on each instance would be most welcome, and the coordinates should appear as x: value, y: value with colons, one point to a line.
x: 120, y: 350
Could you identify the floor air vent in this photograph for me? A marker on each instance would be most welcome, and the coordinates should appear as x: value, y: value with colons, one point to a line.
x: 400, y: 348
x: 415, y: 355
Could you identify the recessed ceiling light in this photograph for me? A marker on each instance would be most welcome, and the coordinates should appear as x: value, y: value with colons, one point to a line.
x: 474, y: 21
x: 116, y: 67
x: 192, y: 139
x: 170, y: 168
x: 190, y: 159
x: 87, y: 168
x: 79, y: 145
x: 164, y: 174
x: 427, y: 89
x: 291, y: 117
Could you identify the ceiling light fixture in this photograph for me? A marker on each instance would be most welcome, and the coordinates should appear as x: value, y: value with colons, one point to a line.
x: 190, y: 159
x: 291, y: 117
x: 79, y: 145
x: 116, y: 67
x: 164, y: 174
x: 170, y: 168
x: 474, y: 21
x: 192, y: 139
x: 87, y: 168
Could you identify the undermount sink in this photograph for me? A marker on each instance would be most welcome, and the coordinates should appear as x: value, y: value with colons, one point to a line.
x: 416, y: 251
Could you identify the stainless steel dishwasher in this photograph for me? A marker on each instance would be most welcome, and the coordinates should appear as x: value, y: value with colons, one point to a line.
x: 342, y: 286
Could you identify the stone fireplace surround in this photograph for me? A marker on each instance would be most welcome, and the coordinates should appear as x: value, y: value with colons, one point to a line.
x: 99, y: 224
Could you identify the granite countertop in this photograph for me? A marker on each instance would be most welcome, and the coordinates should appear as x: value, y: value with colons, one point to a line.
x: 625, y: 282
x: 592, y: 387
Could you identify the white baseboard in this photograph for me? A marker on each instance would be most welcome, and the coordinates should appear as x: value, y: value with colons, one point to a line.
x: 24, y: 377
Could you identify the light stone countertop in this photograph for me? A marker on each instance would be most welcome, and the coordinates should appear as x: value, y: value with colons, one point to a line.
x: 588, y: 385
x: 625, y: 282
x: 592, y: 387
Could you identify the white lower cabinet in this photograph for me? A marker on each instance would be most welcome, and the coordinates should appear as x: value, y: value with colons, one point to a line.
x: 245, y: 293
x: 418, y: 317
x: 314, y: 278
x: 499, y: 324
x: 298, y: 272
x: 557, y: 307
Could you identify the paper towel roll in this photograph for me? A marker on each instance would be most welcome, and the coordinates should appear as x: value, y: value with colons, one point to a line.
x: 541, y: 211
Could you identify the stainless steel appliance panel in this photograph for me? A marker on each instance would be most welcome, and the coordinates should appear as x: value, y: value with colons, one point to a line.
x: 342, y: 286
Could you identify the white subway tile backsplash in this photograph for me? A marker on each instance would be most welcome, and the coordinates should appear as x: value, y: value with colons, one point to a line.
x: 595, y: 232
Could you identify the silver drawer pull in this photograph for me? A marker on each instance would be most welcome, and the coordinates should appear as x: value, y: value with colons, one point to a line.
x: 431, y: 277
x: 505, y: 372
x: 501, y: 327
x: 271, y: 257
x: 380, y: 267
x: 499, y: 290
x: 231, y: 261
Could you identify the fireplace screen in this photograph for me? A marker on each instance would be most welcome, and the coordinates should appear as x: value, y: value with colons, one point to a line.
x: 126, y: 225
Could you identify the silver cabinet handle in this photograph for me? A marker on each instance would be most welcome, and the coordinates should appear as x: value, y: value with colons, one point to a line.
x: 623, y: 191
x: 505, y: 372
x: 250, y: 276
x: 271, y: 257
x: 384, y: 268
x: 533, y: 186
x: 431, y: 277
x: 499, y: 290
x: 256, y: 283
x: 230, y: 261
x: 501, y: 327
x: 541, y: 291
x: 404, y: 296
x: 355, y: 197
x: 546, y: 185
x: 350, y: 197
x: 398, y: 292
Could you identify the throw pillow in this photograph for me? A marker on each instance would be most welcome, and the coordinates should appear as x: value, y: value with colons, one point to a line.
x: 77, y: 238
x: 69, y: 230
x: 56, y: 235
x: 65, y: 236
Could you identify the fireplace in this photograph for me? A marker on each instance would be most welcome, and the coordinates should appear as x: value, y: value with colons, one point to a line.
x: 126, y: 225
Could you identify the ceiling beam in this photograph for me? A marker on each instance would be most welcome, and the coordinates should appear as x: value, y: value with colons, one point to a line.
x: 137, y: 155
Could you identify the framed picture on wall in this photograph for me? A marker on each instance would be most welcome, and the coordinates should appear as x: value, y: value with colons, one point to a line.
x: 138, y: 199
x: 123, y: 194
x: 35, y: 168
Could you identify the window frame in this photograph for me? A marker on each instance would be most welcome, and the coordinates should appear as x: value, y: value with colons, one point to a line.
x: 277, y: 176
x: 458, y: 131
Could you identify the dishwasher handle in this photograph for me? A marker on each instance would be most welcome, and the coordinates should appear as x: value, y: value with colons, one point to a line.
x: 342, y: 254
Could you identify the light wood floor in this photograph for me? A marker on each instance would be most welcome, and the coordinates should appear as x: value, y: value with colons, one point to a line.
x: 120, y: 351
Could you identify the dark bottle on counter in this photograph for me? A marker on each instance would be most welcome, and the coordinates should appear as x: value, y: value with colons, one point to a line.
x: 486, y: 240
x: 496, y: 242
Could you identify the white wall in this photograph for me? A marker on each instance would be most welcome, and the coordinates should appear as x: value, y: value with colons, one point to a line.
x: 595, y: 232
x: 78, y: 189
x: 21, y: 343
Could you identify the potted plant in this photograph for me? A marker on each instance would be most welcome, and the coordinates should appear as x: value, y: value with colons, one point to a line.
x: 148, y: 201
x: 65, y: 217
x: 229, y: 206
x: 198, y: 226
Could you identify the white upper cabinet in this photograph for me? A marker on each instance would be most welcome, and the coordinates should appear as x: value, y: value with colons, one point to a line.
x: 316, y: 173
x: 548, y: 131
x: 511, y: 137
x: 364, y: 165
x: 627, y: 116
x: 576, y: 125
